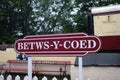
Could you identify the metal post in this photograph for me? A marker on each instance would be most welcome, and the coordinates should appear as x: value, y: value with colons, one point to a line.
x: 80, y: 68
x: 60, y: 73
x: 29, y: 68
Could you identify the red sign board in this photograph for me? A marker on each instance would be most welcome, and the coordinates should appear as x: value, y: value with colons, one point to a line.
x: 74, y: 44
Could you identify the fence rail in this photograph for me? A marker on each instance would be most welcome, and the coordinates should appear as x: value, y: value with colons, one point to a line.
x: 9, y: 77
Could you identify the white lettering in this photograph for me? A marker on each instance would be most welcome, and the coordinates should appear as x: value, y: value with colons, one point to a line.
x: 66, y: 44
x: 46, y: 45
x: 91, y: 44
x: 26, y: 46
x: 56, y: 44
x: 39, y: 45
x: 75, y: 44
x: 83, y: 44
x: 20, y: 46
x: 31, y: 45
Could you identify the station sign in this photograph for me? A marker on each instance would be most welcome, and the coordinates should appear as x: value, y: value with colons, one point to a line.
x: 72, y: 44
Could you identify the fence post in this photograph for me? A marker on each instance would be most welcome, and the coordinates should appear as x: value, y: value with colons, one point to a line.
x: 35, y: 78
x: 17, y: 77
x: 54, y: 78
x: 76, y: 79
x: 44, y: 78
x: 26, y: 78
x: 1, y: 77
x: 9, y: 77
x: 65, y: 78
x: 88, y: 78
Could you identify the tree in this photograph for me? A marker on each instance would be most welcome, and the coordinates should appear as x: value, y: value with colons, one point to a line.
x: 14, y: 19
x: 52, y: 15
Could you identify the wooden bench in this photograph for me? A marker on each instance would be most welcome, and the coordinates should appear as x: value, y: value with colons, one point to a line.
x: 10, y: 62
x: 34, y: 70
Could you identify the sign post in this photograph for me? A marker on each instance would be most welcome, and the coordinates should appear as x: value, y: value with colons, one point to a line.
x: 29, y: 68
x: 80, y: 68
x: 72, y: 44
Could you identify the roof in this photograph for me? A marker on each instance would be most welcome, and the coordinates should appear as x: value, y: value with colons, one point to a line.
x: 100, y: 59
x: 110, y: 8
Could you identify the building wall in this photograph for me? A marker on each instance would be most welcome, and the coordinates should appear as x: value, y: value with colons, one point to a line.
x: 107, y: 25
x: 74, y: 73
x: 8, y: 54
x: 106, y: 20
x: 101, y: 73
x: 97, y: 73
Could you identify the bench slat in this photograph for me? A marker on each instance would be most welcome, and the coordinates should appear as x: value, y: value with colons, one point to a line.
x: 34, y: 70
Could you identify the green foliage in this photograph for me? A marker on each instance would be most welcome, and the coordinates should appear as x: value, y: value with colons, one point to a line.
x: 1, y: 13
x: 14, y: 19
x: 8, y: 39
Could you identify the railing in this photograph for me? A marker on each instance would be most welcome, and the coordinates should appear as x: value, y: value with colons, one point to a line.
x: 4, y: 46
x: 9, y: 77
